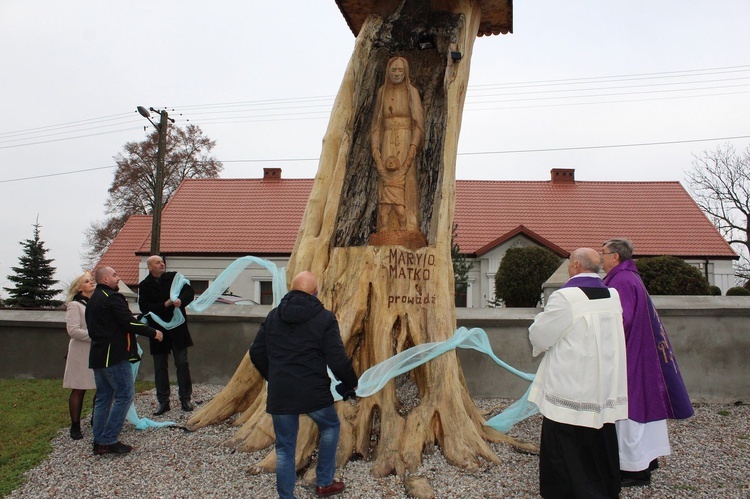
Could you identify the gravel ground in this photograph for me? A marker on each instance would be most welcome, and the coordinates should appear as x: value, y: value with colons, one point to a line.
x: 710, y: 458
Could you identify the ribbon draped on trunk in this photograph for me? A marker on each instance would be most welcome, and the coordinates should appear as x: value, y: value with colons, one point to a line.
x: 376, y: 377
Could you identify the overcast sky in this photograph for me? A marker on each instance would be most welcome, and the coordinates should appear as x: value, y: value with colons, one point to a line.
x: 259, y: 78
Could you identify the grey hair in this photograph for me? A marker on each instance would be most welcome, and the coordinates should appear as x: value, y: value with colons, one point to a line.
x: 621, y: 246
x: 588, y: 259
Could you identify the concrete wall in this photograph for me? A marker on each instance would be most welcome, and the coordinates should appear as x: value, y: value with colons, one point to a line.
x: 710, y: 337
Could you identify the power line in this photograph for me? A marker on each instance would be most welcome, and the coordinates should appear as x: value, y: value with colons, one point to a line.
x: 291, y: 105
x: 471, y: 104
x: 593, y: 103
x: 60, y: 174
x: 476, y: 153
x: 472, y: 101
x: 69, y: 124
x: 610, y: 146
x: 97, y: 127
x: 621, y: 87
x: 282, y: 160
x: 68, y: 138
x: 258, y: 102
x: 637, y: 76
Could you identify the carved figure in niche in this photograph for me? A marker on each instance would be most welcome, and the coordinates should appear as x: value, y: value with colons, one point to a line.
x: 395, y: 139
x: 391, y: 197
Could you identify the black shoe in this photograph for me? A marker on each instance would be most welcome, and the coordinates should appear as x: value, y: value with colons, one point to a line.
x: 186, y: 405
x: 163, y: 407
x: 635, y: 482
x: 653, y: 465
x: 75, y: 431
x: 115, y: 448
x: 635, y: 478
x: 120, y: 448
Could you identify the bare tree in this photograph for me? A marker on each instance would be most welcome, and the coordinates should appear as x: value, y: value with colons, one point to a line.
x: 132, y: 190
x: 720, y: 181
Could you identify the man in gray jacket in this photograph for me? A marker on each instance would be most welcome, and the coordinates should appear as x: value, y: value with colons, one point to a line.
x: 292, y: 350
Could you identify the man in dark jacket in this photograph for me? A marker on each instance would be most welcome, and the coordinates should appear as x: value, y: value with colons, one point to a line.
x: 292, y: 349
x: 112, y: 329
x: 153, y: 296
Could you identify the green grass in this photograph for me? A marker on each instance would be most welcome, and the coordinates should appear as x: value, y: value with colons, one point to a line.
x: 31, y: 414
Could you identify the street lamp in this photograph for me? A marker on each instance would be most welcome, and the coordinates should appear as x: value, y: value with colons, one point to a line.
x: 159, y: 180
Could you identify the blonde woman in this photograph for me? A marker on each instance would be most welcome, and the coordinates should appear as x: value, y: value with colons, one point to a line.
x: 78, y: 377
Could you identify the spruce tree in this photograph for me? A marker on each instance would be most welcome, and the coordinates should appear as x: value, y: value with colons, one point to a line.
x: 461, y: 268
x: 33, y: 279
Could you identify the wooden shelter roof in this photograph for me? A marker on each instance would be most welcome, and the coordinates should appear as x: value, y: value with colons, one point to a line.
x: 497, y: 15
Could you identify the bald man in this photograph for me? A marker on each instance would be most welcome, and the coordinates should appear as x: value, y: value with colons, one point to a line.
x: 295, y: 344
x: 112, y: 329
x: 581, y: 385
x: 154, y: 297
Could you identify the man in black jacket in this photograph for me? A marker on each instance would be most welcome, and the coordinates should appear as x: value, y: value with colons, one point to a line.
x: 153, y: 296
x: 112, y: 329
x: 292, y: 349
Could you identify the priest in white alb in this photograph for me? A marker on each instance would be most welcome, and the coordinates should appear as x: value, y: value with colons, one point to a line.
x: 581, y: 385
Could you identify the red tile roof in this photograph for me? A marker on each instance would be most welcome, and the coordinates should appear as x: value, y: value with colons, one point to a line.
x: 121, y: 253
x: 659, y: 217
x: 261, y: 217
x: 233, y: 216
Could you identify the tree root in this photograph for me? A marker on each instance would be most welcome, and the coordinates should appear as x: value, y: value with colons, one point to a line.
x: 237, y: 396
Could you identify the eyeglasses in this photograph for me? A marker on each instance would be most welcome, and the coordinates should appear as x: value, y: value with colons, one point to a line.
x: 606, y: 253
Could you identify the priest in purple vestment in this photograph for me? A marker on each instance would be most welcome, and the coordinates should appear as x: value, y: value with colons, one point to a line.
x: 656, y: 391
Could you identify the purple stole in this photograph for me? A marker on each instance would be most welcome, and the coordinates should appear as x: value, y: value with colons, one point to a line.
x: 584, y: 282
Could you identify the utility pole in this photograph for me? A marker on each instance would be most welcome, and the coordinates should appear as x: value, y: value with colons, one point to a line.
x: 161, y: 152
x: 159, y: 183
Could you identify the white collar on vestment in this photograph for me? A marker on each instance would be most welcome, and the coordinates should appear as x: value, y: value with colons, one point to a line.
x: 586, y: 274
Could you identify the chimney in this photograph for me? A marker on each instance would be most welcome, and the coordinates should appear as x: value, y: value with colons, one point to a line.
x: 563, y: 175
x: 271, y: 173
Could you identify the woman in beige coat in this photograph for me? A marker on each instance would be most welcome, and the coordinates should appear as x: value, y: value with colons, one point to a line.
x: 78, y: 377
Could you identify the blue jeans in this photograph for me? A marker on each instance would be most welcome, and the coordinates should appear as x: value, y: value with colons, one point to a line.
x: 115, y: 392
x: 286, y: 427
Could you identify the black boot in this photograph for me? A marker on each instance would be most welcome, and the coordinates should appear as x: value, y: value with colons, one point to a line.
x: 163, y: 407
x: 75, y: 431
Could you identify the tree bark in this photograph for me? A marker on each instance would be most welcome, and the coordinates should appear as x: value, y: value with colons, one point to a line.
x: 386, y: 298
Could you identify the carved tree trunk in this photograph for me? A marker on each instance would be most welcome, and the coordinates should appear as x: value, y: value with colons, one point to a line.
x: 386, y: 298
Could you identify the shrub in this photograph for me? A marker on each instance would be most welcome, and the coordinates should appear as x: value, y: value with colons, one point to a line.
x: 669, y: 275
x: 523, y: 270
x: 714, y: 290
x: 738, y: 291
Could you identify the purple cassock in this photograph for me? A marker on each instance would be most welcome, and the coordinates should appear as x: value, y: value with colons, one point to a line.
x: 656, y: 390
